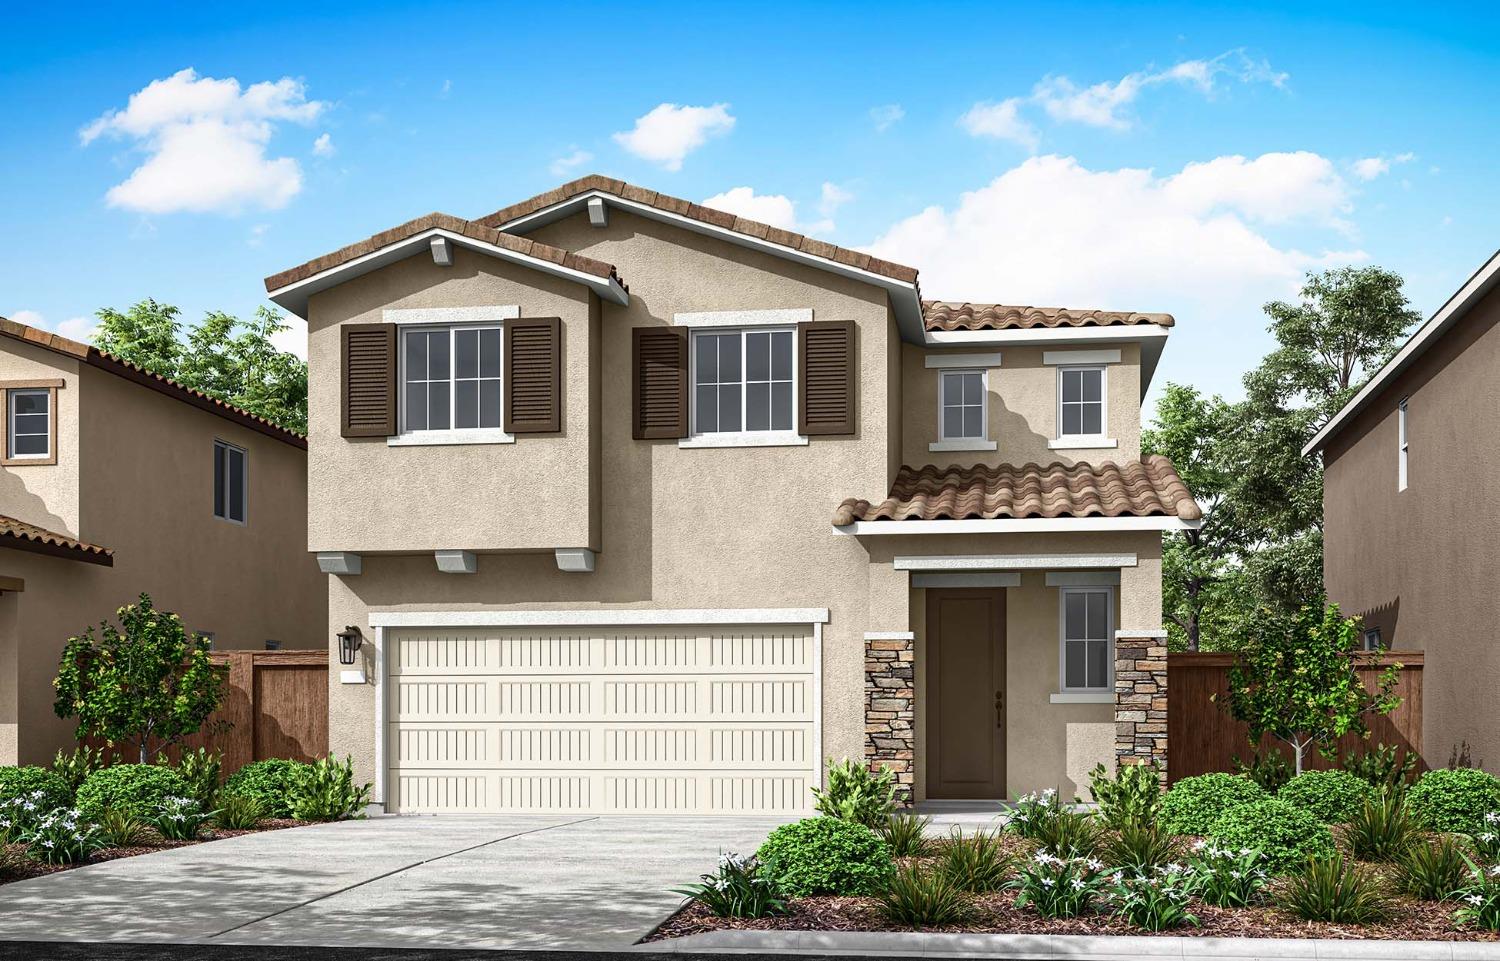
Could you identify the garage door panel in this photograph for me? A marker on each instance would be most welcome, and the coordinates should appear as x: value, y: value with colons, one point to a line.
x: 682, y: 651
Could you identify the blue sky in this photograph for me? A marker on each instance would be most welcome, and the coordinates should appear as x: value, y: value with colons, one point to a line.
x: 1190, y: 158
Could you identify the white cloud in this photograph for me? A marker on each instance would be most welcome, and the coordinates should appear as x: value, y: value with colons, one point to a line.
x: 886, y: 116
x: 74, y: 328
x: 1273, y: 188
x: 445, y: 89
x: 205, y: 142
x: 831, y: 198
x: 563, y: 166
x: 1001, y: 121
x: 1368, y: 168
x: 778, y: 210
x: 323, y: 146
x: 667, y: 134
x: 257, y: 235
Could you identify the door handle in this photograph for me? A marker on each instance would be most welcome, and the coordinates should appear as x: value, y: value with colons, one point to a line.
x: 999, y: 709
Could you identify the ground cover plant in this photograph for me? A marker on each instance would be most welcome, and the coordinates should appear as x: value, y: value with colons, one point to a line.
x: 738, y: 889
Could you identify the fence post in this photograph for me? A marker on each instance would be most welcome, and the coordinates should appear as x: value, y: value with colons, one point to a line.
x: 1141, y: 698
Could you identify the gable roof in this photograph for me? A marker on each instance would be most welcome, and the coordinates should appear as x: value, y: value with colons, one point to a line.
x: 1482, y: 282
x: 38, y: 540
x: 942, y: 315
x: 95, y: 357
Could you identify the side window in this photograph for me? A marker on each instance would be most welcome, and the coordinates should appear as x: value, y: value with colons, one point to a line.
x: 1401, y: 445
x: 1087, y: 639
x: 743, y: 381
x: 29, y: 423
x: 962, y: 400
x: 450, y: 379
x: 1080, y: 401
x: 230, y: 482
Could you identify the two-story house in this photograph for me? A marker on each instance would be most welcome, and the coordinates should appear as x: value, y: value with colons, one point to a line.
x: 115, y: 482
x: 670, y: 546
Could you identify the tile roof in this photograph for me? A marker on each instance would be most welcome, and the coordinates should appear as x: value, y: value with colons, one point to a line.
x: 1143, y: 488
x: 29, y: 537
x: 942, y: 315
x: 707, y: 215
x: 457, y: 225
x: 95, y: 357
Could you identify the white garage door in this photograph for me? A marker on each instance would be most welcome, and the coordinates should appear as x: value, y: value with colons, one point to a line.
x: 673, y: 720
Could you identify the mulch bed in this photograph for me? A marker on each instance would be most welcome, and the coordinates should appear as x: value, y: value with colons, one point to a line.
x: 26, y: 868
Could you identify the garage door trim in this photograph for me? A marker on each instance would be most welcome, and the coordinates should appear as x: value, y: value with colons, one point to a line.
x: 380, y: 620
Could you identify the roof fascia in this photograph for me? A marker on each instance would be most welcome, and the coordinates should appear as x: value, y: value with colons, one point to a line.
x: 1020, y: 525
x: 1151, y: 337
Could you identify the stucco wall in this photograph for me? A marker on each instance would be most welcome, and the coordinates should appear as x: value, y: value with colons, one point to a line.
x: 1421, y: 563
x: 44, y: 494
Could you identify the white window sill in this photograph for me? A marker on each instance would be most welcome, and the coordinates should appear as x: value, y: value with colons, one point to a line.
x: 1082, y: 442
x: 431, y: 438
x: 955, y: 445
x: 759, y: 438
x: 1084, y: 697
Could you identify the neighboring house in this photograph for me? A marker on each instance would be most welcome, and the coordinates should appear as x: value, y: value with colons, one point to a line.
x: 670, y: 547
x: 1419, y: 564
x: 115, y: 481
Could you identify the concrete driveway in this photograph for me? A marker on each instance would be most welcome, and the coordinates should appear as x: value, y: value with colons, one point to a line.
x: 475, y: 882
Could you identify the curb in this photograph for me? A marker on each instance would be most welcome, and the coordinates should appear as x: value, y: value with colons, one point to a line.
x: 1054, y: 947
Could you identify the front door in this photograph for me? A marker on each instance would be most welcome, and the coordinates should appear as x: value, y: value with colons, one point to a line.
x: 966, y: 693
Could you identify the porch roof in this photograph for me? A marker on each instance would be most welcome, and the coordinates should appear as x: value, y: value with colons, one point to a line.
x: 28, y: 537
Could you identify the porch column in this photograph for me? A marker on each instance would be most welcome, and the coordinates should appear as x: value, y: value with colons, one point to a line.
x: 1141, y: 697
x: 890, y: 706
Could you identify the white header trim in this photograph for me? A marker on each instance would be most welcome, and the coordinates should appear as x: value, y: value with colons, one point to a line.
x: 950, y: 361
x: 451, y: 315
x: 745, y: 438
x: 1155, y: 632
x: 1055, y: 357
x: 597, y: 617
x: 786, y: 317
x: 1084, y: 696
x: 975, y: 444
x: 1082, y: 442
x: 1046, y: 336
x: 1012, y: 525
x: 1018, y: 562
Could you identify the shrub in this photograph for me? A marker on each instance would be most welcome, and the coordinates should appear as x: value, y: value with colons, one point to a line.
x: 324, y: 791
x: 1132, y: 796
x: 1383, y: 766
x: 855, y: 793
x: 1270, y: 769
x: 1479, y: 898
x: 1432, y: 870
x: 1227, y: 877
x: 201, y: 770
x: 1333, y: 797
x: 906, y: 834
x: 16, y: 782
x: 1195, y: 803
x: 75, y: 767
x: 1454, y: 801
x: 739, y: 889
x: 1328, y: 889
x: 1381, y: 830
x: 921, y: 897
x: 1156, y: 900
x: 269, y: 782
x: 1059, y: 887
x: 121, y: 829
x: 238, y: 812
x: 180, y: 819
x: 1487, y: 841
x: 977, y: 862
x: 1140, y: 848
x: 824, y: 855
x: 1033, y: 813
x: 1285, y: 836
x: 62, y: 837
x: 138, y: 789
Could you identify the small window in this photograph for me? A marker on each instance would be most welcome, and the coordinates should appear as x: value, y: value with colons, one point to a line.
x: 229, y: 482
x: 273, y: 645
x: 1087, y: 645
x: 1401, y: 444
x: 962, y: 416
x: 450, y: 379
x: 742, y: 381
x: 1080, y: 396
x: 30, y: 423
x: 1372, y: 640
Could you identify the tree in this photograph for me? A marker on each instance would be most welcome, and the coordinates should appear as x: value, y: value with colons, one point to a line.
x: 224, y: 357
x: 147, y: 683
x: 1298, y: 680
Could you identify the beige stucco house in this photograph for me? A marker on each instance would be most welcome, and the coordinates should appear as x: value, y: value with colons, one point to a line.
x: 114, y: 482
x: 1418, y: 563
x: 672, y: 546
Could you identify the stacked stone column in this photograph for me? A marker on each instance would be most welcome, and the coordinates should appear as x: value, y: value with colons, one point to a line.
x: 1141, y: 698
x: 891, y: 707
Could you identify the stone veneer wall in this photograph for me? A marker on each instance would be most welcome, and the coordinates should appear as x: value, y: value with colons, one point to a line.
x: 891, y: 707
x: 1141, y: 698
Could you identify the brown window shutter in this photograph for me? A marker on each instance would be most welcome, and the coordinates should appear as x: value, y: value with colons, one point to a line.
x: 369, y: 403
x: 659, y: 357
x: 533, y: 375
x: 825, y: 362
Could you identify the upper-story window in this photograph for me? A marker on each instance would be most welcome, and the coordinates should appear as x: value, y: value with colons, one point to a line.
x: 450, y: 379
x: 29, y: 423
x: 231, y: 476
x: 1401, y: 445
x: 963, y: 414
x: 743, y: 382
x: 1080, y: 401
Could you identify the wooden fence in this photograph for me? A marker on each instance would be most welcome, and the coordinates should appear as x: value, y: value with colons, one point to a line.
x: 275, y: 705
x: 1202, y: 737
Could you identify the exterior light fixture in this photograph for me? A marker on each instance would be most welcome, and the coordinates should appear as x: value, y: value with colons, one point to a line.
x: 349, y: 641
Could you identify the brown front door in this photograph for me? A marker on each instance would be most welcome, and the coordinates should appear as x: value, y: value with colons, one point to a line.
x: 965, y: 693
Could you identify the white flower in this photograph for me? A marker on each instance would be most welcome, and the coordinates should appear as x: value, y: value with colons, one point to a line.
x: 1077, y: 884
x: 1094, y: 864
x: 1475, y: 900
x: 1047, y: 882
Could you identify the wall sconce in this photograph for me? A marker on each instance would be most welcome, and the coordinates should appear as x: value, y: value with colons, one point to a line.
x: 349, y: 641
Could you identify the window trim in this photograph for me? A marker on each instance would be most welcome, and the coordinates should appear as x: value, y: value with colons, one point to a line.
x: 51, y: 386
x: 1062, y: 441
x: 1403, y: 445
x: 1062, y: 641
x: 450, y: 435
x: 740, y: 438
x: 1369, y: 634
x: 244, y: 521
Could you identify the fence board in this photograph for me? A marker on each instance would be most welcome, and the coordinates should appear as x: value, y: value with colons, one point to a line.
x: 1202, y: 737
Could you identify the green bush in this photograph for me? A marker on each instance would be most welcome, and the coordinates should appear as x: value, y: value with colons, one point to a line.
x: 76, y: 766
x: 1454, y: 801
x: 325, y: 791
x: 1333, y: 797
x: 824, y: 855
x: 24, y: 782
x: 269, y: 783
x: 1284, y: 835
x: 138, y: 789
x: 855, y: 793
x: 1195, y: 803
x: 1132, y: 796
x: 202, y: 771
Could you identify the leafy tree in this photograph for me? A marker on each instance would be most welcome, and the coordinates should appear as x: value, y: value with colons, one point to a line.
x: 1298, y: 680
x: 224, y: 357
x: 147, y: 683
